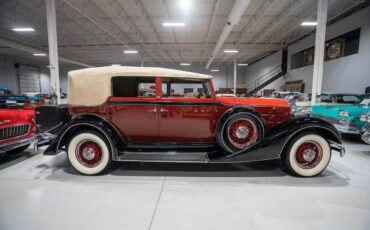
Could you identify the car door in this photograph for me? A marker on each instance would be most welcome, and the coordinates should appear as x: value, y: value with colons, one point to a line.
x: 183, y: 115
x: 133, y: 108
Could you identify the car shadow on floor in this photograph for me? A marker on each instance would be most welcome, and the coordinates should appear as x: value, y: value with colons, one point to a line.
x: 264, y: 172
x: 11, y: 159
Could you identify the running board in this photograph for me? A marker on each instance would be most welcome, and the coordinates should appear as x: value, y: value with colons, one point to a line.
x: 170, y: 156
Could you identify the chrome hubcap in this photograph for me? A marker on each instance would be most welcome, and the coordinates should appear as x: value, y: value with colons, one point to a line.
x: 309, y: 155
x: 242, y: 132
x: 88, y: 153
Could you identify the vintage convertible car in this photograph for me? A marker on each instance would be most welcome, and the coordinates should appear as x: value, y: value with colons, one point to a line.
x: 17, y: 126
x: 111, y: 116
x: 346, y: 118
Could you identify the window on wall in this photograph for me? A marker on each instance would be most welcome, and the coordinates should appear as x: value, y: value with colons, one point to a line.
x: 133, y: 86
x: 175, y: 87
x: 341, y: 46
x: 29, y: 79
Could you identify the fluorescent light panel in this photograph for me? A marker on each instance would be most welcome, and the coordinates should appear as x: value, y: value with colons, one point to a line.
x: 39, y: 55
x: 23, y: 29
x: 167, y: 24
x: 215, y: 70
x: 130, y: 51
x: 308, y: 23
x: 185, y: 64
x: 243, y: 64
x: 231, y: 51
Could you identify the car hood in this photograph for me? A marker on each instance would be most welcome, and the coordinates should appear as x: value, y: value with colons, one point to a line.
x: 246, y: 101
x: 14, y: 116
x: 333, y: 110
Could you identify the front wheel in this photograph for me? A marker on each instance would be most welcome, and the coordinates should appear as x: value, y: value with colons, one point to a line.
x: 307, y: 155
x: 89, y: 153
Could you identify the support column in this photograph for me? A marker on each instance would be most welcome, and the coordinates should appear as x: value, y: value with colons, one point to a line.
x: 142, y: 56
x: 53, y: 48
x: 235, y: 73
x: 318, y: 66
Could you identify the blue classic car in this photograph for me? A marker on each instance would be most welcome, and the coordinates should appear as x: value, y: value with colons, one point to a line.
x: 5, y: 90
x: 346, y: 118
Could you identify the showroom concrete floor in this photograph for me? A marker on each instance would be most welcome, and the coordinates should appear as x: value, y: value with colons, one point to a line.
x: 43, y: 192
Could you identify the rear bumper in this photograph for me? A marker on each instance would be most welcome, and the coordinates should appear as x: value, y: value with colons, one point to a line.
x: 13, y: 145
x: 337, y: 147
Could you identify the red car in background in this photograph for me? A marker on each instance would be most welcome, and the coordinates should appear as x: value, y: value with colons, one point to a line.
x: 17, y: 126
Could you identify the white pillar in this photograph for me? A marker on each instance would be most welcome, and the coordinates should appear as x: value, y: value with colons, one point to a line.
x: 142, y: 56
x: 53, y: 47
x: 318, y: 66
x: 235, y: 73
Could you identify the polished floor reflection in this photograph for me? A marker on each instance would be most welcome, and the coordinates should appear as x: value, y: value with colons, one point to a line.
x: 44, y: 192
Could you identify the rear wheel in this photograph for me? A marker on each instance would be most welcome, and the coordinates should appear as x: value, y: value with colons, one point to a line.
x: 239, y: 132
x: 89, y: 153
x: 307, y: 155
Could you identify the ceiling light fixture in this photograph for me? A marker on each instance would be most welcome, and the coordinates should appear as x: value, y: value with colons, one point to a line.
x: 130, y: 52
x: 23, y: 29
x: 185, y: 64
x: 242, y: 64
x: 308, y: 23
x: 173, y: 24
x: 215, y: 70
x: 231, y: 51
x: 39, y: 55
x: 185, y: 4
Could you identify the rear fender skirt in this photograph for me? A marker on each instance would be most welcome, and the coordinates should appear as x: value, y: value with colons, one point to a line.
x: 272, y: 146
x: 92, y: 122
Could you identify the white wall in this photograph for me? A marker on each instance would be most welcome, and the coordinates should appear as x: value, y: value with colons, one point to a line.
x: 349, y: 74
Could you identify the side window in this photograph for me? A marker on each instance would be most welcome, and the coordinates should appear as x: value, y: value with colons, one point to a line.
x: 350, y: 99
x: 175, y: 87
x: 325, y: 98
x: 133, y: 86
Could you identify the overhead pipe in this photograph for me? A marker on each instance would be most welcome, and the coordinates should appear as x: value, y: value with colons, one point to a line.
x: 32, y: 50
x: 233, y: 19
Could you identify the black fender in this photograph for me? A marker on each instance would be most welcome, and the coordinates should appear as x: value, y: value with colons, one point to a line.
x: 90, y: 122
x: 235, y: 110
x: 273, y: 145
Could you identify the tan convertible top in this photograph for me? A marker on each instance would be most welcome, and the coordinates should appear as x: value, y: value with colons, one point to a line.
x: 92, y: 86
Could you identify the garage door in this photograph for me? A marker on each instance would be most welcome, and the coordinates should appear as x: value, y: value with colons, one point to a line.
x: 29, y: 79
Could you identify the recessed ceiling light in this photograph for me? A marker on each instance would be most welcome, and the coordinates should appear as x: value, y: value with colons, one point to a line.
x: 243, y: 64
x: 231, y: 51
x: 185, y: 64
x: 215, y: 70
x: 39, y: 55
x: 185, y: 4
x: 167, y: 24
x: 130, y: 52
x: 308, y: 23
x: 23, y: 29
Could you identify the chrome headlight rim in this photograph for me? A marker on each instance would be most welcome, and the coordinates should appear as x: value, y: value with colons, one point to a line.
x: 344, y: 113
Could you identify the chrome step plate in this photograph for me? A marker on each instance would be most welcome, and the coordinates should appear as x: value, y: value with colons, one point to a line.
x: 166, y: 156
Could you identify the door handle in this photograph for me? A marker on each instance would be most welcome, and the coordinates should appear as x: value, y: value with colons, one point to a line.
x: 163, y: 110
x: 152, y: 110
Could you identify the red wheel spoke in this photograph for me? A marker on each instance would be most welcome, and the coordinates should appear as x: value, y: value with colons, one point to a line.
x: 308, y: 154
x: 89, y: 153
x: 242, y: 133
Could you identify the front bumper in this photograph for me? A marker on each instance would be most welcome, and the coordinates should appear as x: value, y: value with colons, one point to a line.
x: 343, y: 126
x: 13, y: 145
x: 365, y: 135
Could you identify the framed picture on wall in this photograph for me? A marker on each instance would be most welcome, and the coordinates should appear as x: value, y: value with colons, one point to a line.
x: 334, y: 49
x: 308, y: 57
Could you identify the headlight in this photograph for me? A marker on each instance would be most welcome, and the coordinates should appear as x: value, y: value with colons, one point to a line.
x: 363, y: 118
x: 343, y: 113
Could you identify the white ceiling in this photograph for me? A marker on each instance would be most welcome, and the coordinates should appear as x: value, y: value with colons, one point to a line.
x: 96, y: 32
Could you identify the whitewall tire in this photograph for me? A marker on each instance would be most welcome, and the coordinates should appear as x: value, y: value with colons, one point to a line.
x: 307, y: 155
x: 89, y: 153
